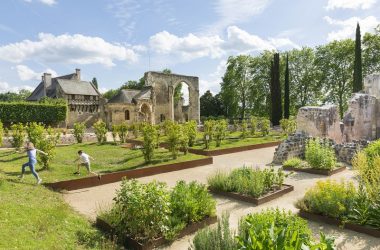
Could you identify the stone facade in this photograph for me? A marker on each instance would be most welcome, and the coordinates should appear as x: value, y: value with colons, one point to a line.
x: 155, y: 102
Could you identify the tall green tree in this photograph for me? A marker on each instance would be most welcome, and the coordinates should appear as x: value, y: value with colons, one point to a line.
x: 95, y: 82
x: 335, y: 65
x: 236, y: 85
x: 15, y: 96
x: 276, y: 107
x: 211, y: 105
x: 286, y: 90
x: 358, y: 76
x: 371, y: 52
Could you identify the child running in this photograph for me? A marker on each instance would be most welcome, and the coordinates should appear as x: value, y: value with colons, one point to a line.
x: 84, y: 160
x: 32, y: 153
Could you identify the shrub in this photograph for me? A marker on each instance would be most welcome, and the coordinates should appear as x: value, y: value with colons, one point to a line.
x: 253, y: 125
x: 319, y: 154
x: 372, y: 150
x: 275, y: 229
x: 135, y: 128
x: 115, y: 132
x: 208, y: 132
x: 244, y: 129
x: 219, y: 238
x: 294, y: 162
x: 141, y: 210
x: 191, y: 129
x: 79, y: 129
x: 264, y: 126
x: 166, y: 126
x: 329, y: 198
x: 18, y: 135
x: 101, y: 131
x: 24, y: 112
x: 288, y: 126
x: 123, y: 132
x: 1, y: 133
x: 47, y: 144
x: 174, y: 139
x: 249, y: 181
x: 191, y: 202
x: 235, y: 124
x: 220, y: 130
x: 184, y: 139
x: 149, y: 141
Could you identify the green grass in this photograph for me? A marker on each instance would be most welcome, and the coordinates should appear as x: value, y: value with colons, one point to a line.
x: 33, y: 217
x: 234, y: 140
x: 108, y: 158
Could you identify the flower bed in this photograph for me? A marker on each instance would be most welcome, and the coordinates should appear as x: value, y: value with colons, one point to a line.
x: 145, y: 216
x: 316, y: 171
x: 250, y: 185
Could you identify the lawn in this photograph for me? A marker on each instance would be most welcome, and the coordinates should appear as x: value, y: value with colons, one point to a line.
x: 33, y: 217
x: 234, y: 140
x: 108, y: 158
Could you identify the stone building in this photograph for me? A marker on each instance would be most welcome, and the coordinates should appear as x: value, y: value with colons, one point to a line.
x: 155, y: 102
x: 85, y: 103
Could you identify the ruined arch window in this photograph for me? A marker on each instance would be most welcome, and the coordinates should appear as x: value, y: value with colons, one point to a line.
x: 126, y: 115
x: 162, y: 117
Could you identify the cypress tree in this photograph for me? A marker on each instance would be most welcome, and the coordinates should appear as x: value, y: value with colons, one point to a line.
x: 286, y: 91
x: 276, y: 105
x: 358, y: 77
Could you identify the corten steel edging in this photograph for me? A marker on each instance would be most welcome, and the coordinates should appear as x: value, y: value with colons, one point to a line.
x: 316, y: 171
x: 131, y: 243
x: 332, y: 221
x: 133, y: 173
x: 257, y: 201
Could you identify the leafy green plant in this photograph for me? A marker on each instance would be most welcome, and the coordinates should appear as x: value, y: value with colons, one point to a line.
x: 329, y: 198
x: 275, y: 229
x: 115, y: 132
x: 149, y: 141
x: 264, y: 126
x: 191, y: 202
x: 220, y: 130
x: 174, y: 139
x: 253, y: 121
x: 191, y: 130
x: 35, y: 132
x: 123, y: 132
x: 101, y: 130
x: 48, y: 144
x: 79, y: 129
x: 135, y: 128
x: 244, y: 129
x: 294, y: 162
x: 219, y: 238
x: 209, y: 127
x: 184, y: 139
x: 319, y: 154
x: 288, y: 126
x: 249, y: 181
x: 235, y: 124
x: 372, y: 151
x: 18, y: 135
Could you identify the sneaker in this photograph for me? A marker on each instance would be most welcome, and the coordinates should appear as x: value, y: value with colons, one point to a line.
x: 99, y: 177
x: 39, y: 181
x: 76, y: 173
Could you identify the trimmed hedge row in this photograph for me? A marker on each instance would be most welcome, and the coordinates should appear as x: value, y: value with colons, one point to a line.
x: 14, y: 112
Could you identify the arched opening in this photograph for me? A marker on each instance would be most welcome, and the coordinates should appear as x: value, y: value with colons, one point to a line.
x: 144, y: 113
x: 126, y: 115
x: 181, y: 101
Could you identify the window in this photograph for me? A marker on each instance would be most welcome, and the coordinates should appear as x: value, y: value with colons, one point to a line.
x: 72, y: 97
x: 87, y: 97
x: 127, y: 115
x: 162, y: 117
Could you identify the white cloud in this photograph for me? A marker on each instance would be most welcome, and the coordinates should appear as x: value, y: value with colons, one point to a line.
x: 47, y: 2
x: 25, y: 73
x: 241, y: 40
x: 103, y: 90
x: 350, y: 4
x: 188, y: 47
x: 236, y: 11
x: 6, y: 87
x: 74, y: 49
x: 347, y: 27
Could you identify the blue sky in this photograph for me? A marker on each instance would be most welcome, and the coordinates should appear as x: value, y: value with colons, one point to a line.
x: 118, y: 40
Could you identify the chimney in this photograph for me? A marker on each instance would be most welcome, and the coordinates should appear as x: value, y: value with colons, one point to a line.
x: 77, y: 72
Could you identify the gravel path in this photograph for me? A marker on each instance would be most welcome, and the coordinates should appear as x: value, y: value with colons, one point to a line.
x: 91, y: 200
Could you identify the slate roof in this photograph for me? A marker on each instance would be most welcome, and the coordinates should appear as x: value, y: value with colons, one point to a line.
x: 131, y: 95
x: 77, y: 87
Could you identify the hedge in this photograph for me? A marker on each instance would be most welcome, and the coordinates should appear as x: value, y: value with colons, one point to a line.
x: 14, y: 112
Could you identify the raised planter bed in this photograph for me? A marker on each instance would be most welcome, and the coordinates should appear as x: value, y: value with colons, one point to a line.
x: 332, y: 221
x: 130, y: 243
x: 257, y: 201
x: 133, y: 173
x: 316, y: 171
